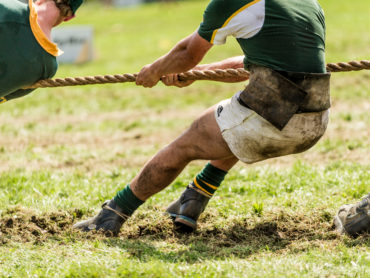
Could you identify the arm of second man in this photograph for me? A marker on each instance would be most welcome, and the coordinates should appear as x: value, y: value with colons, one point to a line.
x: 229, y: 63
x: 183, y: 57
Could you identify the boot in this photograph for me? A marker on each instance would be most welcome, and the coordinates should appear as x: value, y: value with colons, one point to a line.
x: 354, y: 219
x: 109, y: 219
x: 186, y: 210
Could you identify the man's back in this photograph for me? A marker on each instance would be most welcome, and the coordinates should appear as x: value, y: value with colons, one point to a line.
x: 23, y: 60
x: 284, y: 35
x: 13, y: 11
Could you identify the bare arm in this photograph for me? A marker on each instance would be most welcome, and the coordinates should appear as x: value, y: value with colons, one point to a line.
x: 183, y: 57
x: 233, y: 62
x: 229, y: 63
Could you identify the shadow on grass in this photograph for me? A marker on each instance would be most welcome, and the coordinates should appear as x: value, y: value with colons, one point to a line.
x: 235, y: 241
x: 149, y: 235
x: 238, y: 240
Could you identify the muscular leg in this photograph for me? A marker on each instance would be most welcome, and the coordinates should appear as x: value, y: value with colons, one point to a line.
x: 203, y: 140
x: 186, y: 210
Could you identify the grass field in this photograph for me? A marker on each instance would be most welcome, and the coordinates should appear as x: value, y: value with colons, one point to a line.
x: 64, y: 151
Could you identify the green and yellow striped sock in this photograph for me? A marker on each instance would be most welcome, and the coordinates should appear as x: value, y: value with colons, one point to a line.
x: 209, y: 179
x: 127, y: 200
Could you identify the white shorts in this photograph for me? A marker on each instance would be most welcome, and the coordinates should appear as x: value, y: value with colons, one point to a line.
x: 251, y: 138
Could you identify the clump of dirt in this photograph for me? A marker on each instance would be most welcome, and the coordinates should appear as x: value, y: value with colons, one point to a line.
x: 274, y: 230
x: 25, y: 225
x: 216, y: 233
x: 151, y: 223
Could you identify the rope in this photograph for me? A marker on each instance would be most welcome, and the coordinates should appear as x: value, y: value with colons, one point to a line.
x: 190, y: 75
x: 349, y: 66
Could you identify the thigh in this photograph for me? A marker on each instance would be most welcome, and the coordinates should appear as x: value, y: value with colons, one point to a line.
x: 251, y: 138
x: 255, y: 139
x: 203, y: 140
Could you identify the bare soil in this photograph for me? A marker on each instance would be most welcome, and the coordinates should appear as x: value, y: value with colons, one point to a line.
x: 279, y: 231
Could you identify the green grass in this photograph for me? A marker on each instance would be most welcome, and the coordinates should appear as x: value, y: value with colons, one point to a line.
x: 64, y: 151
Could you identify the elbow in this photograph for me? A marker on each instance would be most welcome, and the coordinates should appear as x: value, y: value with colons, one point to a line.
x: 192, y: 51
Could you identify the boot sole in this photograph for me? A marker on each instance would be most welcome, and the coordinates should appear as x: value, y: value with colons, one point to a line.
x: 182, y: 223
x: 171, y: 215
x: 185, y: 224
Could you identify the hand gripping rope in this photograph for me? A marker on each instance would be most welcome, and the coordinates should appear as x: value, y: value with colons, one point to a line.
x: 189, y: 75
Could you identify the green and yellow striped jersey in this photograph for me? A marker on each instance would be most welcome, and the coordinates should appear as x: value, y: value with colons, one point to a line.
x: 26, y: 54
x: 286, y: 35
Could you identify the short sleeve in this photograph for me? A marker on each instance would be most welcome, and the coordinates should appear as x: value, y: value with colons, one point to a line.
x: 237, y: 18
x: 213, y: 18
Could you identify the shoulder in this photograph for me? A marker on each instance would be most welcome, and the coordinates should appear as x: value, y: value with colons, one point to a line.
x: 227, y: 6
x: 221, y: 10
x: 13, y: 11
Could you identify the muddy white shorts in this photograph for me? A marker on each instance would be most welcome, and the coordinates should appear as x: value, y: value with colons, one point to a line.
x: 251, y: 138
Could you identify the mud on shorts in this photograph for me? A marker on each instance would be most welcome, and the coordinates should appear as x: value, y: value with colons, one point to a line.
x: 251, y: 137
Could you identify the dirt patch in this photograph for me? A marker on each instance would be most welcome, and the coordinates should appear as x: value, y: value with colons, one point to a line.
x: 25, y: 225
x: 277, y: 231
x: 276, y: 226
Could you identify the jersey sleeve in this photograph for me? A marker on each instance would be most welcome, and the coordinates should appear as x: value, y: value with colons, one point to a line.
x: 237, y: 18
x: 47, y: 71
x: 213, y: 18
x: 16, y: 94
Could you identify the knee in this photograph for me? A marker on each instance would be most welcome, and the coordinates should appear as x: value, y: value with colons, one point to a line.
x: 185, y: 149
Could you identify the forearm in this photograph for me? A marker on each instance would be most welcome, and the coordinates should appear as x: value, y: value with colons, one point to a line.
x: 229, y: 63
x: 179, y: 59
x: 183, y: 57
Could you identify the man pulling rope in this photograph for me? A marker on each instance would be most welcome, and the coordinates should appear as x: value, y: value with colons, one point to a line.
x: 27, y: 52
x: 283, y: 110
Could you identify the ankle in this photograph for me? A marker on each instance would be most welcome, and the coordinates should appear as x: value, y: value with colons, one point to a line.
x: 208, y: 180
x: 191, y: 186
x: 127, y: 201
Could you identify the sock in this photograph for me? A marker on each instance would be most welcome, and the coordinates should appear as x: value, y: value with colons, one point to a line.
x: 209, y: 179
x: 127, y: 201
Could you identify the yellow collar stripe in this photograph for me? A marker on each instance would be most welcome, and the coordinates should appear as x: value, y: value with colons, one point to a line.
x: 2, y: 99
x: 231, y: 17
x: 45, y: 43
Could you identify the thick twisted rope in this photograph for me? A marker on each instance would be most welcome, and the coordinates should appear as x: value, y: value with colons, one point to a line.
x: 190, y: 75
x: 349, y: 66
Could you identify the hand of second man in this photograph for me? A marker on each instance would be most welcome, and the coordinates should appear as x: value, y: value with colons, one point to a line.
x: 147, y: 77
x: 173, y: 80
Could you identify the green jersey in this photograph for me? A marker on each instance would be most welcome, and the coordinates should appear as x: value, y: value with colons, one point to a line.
x: 287, y: 35
x: 26, y: 54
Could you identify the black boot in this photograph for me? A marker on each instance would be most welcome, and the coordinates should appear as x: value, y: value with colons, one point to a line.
x: 109, y: 219
x: 186, y: 210
x: 354, y: 219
